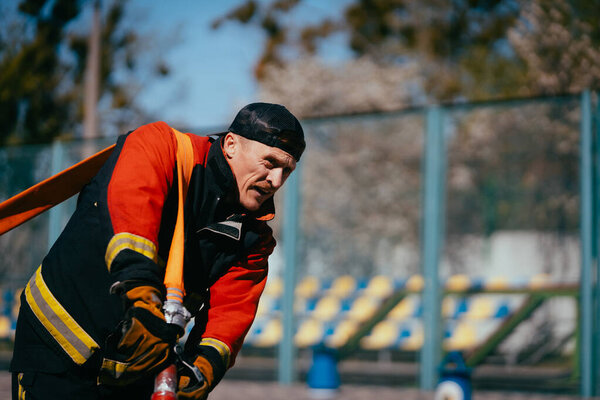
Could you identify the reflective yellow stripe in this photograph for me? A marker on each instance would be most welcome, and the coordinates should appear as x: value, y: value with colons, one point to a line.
x: 221, y: 347
x: 116, y: 367
x: 57, y: 321
x: 21, y: 391
x: 124, y: 240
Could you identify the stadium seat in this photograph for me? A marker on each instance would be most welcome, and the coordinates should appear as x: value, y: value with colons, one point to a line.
x: 496, y: 283
x: 274, y: 287
x: 5, y: 327
x: 463, y: 335
x: 267, y: 334
x: 383, y: 336
x: 308, y: 287
x: 327, y: 308
x: 539, y: 281
x: 415, y: 283
x: 310, y: 333
x: 481, y: 307
x: 343, y: 286
x: 503, y: 310
x: 363, y: 308
x: 380, y: 286
x: 459, y: 282
x: 405, y: 308
x: 461, y: 307
x: 448, y: 306
x: 411, y: 336
x: 340, y: 333
x: 266, y: 305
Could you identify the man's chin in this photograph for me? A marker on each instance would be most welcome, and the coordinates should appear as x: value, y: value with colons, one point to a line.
x: 251, y: 205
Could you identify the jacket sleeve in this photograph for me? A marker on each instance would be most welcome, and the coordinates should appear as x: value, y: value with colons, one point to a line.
x: 234, y: 300
x: 138, y: 188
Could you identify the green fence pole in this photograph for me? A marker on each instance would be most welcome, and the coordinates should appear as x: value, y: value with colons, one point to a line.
x: 586, y: 215
x: 291, y: 226
x: 432, y: 222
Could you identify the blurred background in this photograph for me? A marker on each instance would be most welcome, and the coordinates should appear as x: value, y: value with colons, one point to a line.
x: 447, y: 203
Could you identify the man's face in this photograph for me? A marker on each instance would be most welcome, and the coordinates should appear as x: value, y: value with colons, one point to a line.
x: 259, y: 170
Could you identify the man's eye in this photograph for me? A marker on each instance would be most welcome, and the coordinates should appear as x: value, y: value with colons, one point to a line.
x: 269, y: 164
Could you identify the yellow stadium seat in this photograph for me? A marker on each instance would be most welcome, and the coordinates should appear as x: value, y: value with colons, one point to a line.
x: 5, y: 327
x: 343, y: 286
x: 363, y: 307
x: 380, y: 286
x: 415, y: 341
x: 342, y: 333
x: 481, y: 307
x: 265, y: 305
x: 270, y: 334
x: 415, y: 283
x: 463, y: 336
x: 327, y: 308
x: 383, y: 335
x: 309, y: 333
x: 404, y: 309
x: 448, y: 306
x: 308, y: 287
x: 459, y: 282
x: 539, y: 281
x: 496, y: 283
x: 274, y: 287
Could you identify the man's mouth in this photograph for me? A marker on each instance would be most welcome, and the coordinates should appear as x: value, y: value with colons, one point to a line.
x: 262, y: 192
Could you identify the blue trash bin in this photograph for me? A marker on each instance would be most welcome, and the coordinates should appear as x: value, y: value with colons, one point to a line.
x: 323, y: 378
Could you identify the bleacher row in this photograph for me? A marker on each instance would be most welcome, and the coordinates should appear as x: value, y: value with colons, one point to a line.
x: 330, y: 311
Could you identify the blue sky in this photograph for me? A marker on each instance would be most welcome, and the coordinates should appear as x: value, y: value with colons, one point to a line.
x: 211, y: 70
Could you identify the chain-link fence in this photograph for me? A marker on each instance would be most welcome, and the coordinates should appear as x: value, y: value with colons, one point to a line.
x: 510, y: 216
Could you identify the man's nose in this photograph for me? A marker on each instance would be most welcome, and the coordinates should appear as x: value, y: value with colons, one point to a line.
x: 275, y: 177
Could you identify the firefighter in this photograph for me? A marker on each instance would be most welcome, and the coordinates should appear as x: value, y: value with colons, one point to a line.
x: 91, y: 324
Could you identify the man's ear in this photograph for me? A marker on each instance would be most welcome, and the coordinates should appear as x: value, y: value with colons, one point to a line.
x: 230, y: 145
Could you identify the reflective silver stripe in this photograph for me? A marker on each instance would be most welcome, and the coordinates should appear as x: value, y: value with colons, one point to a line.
x: 221, y: 347
x: 125, y: 240
x: 57, y: 321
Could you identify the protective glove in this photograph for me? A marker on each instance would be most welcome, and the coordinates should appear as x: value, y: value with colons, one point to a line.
x: 195, y: 379
x: 143, y: 342
x: 201, y: 367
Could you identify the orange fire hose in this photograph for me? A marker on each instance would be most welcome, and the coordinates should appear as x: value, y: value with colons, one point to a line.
x: 50, y: 192
x: 165, y: 384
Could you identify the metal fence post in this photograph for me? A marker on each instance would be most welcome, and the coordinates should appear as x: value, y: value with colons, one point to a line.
x: 596, y: 243
x: 291, y: 227
x: 586, y: 284
x: 56, y: 213
x: 432, y: 221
